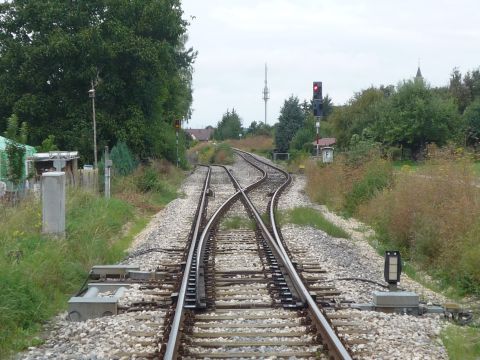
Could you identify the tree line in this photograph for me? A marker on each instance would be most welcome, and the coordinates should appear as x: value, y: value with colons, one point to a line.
x: 400, y: 119
x: 134, y: 53
x: 412, y: 115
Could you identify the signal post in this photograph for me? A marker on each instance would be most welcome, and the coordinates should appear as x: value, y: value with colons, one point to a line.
x: 317, y: 107
x: 177, y: 129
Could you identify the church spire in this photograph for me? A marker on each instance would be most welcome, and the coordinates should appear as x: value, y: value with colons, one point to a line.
x: 419, y: 73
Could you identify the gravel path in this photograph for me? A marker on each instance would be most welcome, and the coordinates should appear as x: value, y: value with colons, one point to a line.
x: 388, y: 336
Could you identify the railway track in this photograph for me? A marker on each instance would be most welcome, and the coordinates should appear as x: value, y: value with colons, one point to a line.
x: 241, y: 295
x: 223, y: 283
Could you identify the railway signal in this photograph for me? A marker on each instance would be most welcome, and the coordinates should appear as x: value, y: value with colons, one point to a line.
x: 317, y: 99
x: 393, y: 268
x: 317, y: 90
x: 317, y: 105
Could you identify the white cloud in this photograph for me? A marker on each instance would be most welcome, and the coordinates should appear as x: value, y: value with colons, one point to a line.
x: 349, y: 45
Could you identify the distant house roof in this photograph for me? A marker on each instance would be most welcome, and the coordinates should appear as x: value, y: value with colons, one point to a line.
x: 325, y: 142
x: 201, y: 134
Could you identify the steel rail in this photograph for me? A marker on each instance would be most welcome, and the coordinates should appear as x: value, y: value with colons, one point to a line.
x: 200, y: 269
x: 172, y: 344
x: 197, y: 243
x: 334, y: 345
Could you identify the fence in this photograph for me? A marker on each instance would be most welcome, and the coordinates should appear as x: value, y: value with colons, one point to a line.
x: 85, y: 179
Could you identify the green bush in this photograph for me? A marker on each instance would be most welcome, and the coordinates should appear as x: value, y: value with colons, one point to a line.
x: 147, y: 181
x: 378, y: 175
x: 150, y: 180
x: 123, y: 160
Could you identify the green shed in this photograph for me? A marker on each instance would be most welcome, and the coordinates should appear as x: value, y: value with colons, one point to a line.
x: 30, y: 150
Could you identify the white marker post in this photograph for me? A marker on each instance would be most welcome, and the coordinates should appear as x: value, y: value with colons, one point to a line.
x: 53, y: 203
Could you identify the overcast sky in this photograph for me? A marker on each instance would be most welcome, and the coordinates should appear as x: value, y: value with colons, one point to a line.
x: 348, y: 45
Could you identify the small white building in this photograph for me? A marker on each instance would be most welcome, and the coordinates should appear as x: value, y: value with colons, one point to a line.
x: 327, y: 154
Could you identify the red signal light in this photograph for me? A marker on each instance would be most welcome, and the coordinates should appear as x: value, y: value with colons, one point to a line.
x: 315, y: 87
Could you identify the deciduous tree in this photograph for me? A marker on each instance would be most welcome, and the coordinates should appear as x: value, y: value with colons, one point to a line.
x: 229, y: 127
x: 291, y: 119
x: 415, y: 116
x: 134, y: 50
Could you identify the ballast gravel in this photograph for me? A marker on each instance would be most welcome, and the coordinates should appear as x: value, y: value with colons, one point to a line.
x: 120, y: 336
x: 131, y: 335
x: 387, y: 336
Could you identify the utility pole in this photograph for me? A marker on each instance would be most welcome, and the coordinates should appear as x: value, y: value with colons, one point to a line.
x: 265, y: 94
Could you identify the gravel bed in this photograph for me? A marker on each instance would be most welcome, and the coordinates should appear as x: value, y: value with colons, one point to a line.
x: 244, y: 172
x: 391, y: 336
x: 102, y: 338
x: 111, y: 337
x: 222, y: 187
x: 169, y: 228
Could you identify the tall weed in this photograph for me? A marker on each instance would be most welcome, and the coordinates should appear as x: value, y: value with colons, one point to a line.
x: 38, y: 273
x: 377, y: 175
x: 259, y: 144
x: 433, y: 215
x: 342, y: 185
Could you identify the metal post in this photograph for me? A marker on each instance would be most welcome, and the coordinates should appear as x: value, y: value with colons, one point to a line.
x: 318, y: 129
x: 107, y: 173
x: 91, y: 93
x: 178, y: 160
x: 265, y: 94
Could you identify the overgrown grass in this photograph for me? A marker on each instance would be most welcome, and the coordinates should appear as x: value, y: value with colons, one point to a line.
x: 261, y: 144
x: 150, y: 187
x: 306, y: 216
x: 462, y: 343
x: 206, y: 153
x: 377, y: 176
x: 343, y: 186
x: 432, y: 215
x: 297, y: 162
x: 38, y: 274
x: 238, y: 222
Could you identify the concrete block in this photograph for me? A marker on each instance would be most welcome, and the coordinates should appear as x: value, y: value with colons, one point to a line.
x: 141, y: 275
x: 82, y: 308
x: 107, y: 287
x: 53, y: 203
x: 90, y: 305
x: 395, y: 299
x: 113, y: 270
